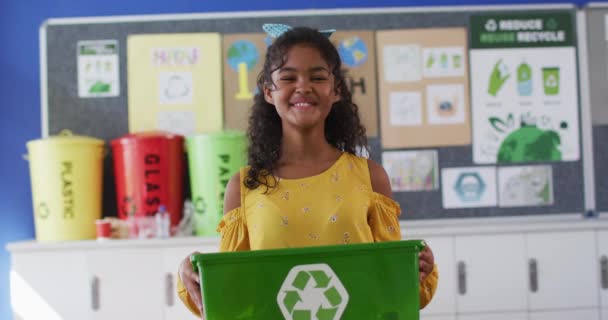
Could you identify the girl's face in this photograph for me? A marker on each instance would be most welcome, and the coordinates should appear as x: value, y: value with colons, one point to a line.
x: 303, y: 89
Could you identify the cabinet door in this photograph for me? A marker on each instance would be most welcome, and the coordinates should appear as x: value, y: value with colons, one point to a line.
x: 40, y: 282
x: 602, y: 263
x: 604, y: 313
x: 586, y: 314
x: 172, y: 257
x: 444, y: 301
x: 494, y: 316
x: 491, y: 273
x: 127, y: 283
x: 565, y: 268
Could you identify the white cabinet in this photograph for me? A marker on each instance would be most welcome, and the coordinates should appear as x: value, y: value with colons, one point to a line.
x: 604, y: 314
x: 123, y: 279
x: 444, y: 301
x: 174, y: 308
x: 494, y: 316
x: 582, y: 314
x: 41, y: 281
x: 562, y: 270
x: 491, y: 273
x: 602, y: 265
x: 126, y: 283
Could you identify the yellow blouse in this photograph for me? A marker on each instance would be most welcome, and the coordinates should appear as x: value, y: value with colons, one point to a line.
x: 337, y: 206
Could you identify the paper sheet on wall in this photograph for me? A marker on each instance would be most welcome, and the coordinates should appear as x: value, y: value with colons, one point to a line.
x: 98, y: 69
x: 175, y: 82
x: 411, y: 170
x: 357, y: 50
x: 243, y: 56
x: 524, y: 90
x: 468, y: 187
x: 525, y: 186
x: 423, y: 82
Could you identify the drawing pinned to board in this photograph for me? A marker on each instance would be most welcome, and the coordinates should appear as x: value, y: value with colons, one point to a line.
x: 402, y: 63
x: 353, y: 51
x: 411, y: 170
x: 443, y: 62
x: 175, y: 72
x: 445, y: 104
x: 439, y: 60
x: 406, y: 108
x: 468, y: 187
x: 524, y: 89
x: 242, y: 57
x: 98, y: 69
x: 525, y: 186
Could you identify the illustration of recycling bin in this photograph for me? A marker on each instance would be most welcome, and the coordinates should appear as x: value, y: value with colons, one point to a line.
x: 358, y: 281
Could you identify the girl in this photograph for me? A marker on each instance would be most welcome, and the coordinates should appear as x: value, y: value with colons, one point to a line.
x: 304, y: 185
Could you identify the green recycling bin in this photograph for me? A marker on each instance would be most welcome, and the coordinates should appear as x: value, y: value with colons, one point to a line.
x: 375, y: 281
x: 212, y: 159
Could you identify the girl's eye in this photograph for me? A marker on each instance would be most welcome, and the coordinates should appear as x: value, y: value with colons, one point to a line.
x: 319, y: 78
x: 287, y: 78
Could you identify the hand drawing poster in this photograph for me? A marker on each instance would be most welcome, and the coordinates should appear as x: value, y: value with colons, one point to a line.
x: 468, y: 187
x: 423, y: 87
x: 525, y: 186
x: 243, y: 56
x: 175, y: 82
x: 357, y: 50
x: 524, y: 92
x: 411, y: 170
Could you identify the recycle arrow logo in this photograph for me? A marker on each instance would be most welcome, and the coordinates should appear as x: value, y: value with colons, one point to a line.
x: 312, y: 292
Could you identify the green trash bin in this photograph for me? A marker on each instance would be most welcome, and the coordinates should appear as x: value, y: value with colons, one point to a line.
x: 212, y: 159
x: 372, y: 281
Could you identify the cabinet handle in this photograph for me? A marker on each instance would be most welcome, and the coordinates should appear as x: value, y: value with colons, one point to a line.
x: 169, y: 289
x: 462, y: 278
x: 533, y: 273
x: 95, y: 293
x: 604, y: 271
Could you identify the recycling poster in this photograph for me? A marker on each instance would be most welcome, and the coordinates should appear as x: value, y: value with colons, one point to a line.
x: 524, y: 93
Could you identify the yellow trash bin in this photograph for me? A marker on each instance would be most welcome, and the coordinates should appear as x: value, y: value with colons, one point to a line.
x: 66, y: 175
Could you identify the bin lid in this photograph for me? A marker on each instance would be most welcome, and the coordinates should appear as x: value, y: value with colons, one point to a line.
x: 146, y: 136
x: 66, y: 137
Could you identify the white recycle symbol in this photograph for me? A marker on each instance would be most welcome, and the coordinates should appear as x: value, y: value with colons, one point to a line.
x: 312, y: 292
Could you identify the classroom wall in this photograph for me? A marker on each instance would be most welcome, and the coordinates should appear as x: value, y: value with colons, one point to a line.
x: 20, y: 84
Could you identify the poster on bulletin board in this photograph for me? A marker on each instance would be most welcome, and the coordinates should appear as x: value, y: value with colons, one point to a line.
x: 524, y: 88
x: 424, y: 87
x: 175, y: 82
x: 243, y: 56
x: 358, y: 53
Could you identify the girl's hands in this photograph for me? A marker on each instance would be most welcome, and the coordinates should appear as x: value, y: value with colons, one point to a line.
x: 191, y: 282
x: 426, y: 262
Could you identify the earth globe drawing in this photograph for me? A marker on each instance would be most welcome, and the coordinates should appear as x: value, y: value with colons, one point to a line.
x: 243, y: 51
x: 353, y: 51
x: 530, y: 143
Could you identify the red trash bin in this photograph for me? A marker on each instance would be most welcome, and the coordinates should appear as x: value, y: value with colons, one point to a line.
x: 149, y: 171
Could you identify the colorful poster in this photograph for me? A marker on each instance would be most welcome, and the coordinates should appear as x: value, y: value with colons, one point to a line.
x: 423, y: 87
x: 524, y: 88
x: 243, y: 56
x: 175, y: 82
x: 357, y: 50
x: 469, y: 187
x: 411, y: 170
x: 98, y: 69
x: 525, y: 186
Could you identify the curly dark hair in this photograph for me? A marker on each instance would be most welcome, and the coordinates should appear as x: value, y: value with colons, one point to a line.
x: 343, y: 128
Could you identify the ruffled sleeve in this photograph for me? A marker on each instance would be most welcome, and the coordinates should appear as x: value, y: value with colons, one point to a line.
x: 383, y: 220
x: 235, y: 237
x: 233, y: 229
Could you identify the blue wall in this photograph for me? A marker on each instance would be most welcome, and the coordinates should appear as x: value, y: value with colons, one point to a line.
x: 20, y: 89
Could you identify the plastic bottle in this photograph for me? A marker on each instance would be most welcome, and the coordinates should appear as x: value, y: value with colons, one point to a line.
x: 163, y: 222
x: 524, y: 79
